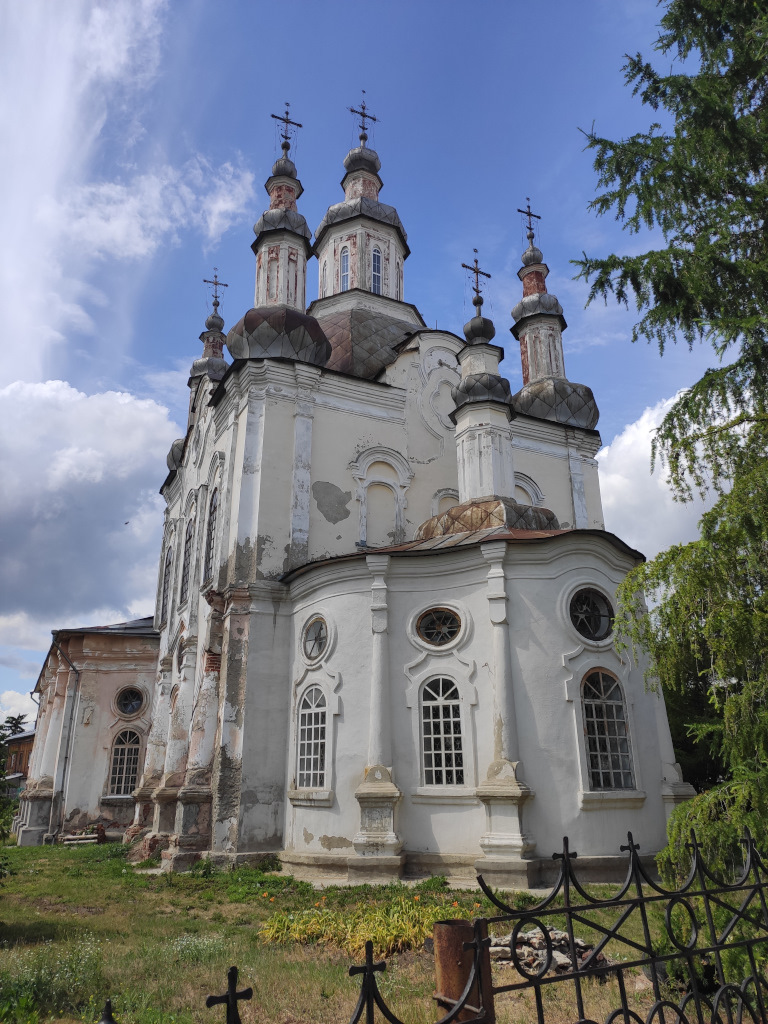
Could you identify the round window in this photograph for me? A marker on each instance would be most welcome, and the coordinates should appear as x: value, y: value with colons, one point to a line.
x: 130, y: 701
x: 591, y: 614
x: 315, y: 638
x: 438, y: 626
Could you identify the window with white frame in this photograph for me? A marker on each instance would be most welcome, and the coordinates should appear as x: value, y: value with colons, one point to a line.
x: 442, y: 745
x: 125, y: 763
x: 609, y: 754
x: 345, y: 269
x: 324, y: 281
x: 310, y: 769
x: 210, y: 536
x: 376, y: 271
x: 187, y: 560
x: 166, y: 584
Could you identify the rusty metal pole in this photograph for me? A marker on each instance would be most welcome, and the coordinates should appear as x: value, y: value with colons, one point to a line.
x: 453, y: 965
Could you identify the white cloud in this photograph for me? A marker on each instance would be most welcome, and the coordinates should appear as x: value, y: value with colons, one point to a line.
x: 15, y: 703
x: 76, y: 76
x: 80, y: 515
x: 638, y: 505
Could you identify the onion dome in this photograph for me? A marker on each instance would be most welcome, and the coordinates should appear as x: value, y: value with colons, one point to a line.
x: 175, y: 455
x: 279, y: 332
x: 479, y: 330
x: 481, y: 387
x: 492, y: 513
x: 212, y: 362
x: 283, y: 188
x: 559, y: 400
x: 362, y: 159
x: 361, y: 184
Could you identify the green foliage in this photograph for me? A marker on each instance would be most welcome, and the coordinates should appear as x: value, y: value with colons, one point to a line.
x: 700, y: 179
x: 61, y: 979
x: 706, y: 632
x: 401, y: 924
x: 703, y: 182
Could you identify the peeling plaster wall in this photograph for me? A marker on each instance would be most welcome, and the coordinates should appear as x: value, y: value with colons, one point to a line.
x: 108, y: 664
x: 549, y: 660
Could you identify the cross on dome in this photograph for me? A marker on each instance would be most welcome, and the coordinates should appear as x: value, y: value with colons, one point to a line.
x: 527, y: 212
x: 364, y: 116
x: 216, y: 283
x: 285, y: 134
x: 475, y: 269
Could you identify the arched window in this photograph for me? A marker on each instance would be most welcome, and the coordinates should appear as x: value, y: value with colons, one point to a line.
x: 324, y: 280
x: 609, y: 754
x: 210, y: 534
x: 187, y: 560
x: 442, y: 747
x: 376, y: 272
x: 125, y: 763
x: 166, y: 584
x: 310, y: 769
x: 345, y: 269
x: 399, y: 281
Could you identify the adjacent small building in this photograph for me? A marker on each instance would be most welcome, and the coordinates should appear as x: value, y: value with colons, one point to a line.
x: 95, y: 692
x: 17, y: 762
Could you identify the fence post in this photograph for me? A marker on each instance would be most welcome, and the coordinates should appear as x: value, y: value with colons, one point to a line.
x: 453, y: 965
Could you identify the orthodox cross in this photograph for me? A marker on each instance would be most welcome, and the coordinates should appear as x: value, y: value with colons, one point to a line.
x: 285, y: 133
x: 216, y: 285
x: 231, y: 997
x: 477, y: 272
x: 527, y: 213
x: 364, y: 116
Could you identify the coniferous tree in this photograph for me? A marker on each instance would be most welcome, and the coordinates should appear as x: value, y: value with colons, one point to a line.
x: 701, y: 180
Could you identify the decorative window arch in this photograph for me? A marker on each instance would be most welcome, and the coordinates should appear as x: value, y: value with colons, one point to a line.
x: 324, y: 280
x: 376, y: 271
x: 367, y: 471
x: 124, y: 770
x: 606, y: 729
x: 166, y: 584
x: 344, y: 276
x: 442, y: 742
x: 210, y: 534
x: 186, y: 563
x: 312, y: 740
x: 531, y: 492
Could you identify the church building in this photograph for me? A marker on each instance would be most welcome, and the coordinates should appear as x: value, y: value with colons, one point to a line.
x: 385, y: 596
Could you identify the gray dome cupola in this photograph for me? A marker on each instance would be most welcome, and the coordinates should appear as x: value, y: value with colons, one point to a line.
x: 282, y: 242
x: 538, y: 326
x: 212, y: 363
x: 482, y: 411
x: 361, y: 243
x: 279, y: 332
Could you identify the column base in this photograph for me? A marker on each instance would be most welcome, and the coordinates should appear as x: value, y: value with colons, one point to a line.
x: 504, y: 794
x: 377, y: 797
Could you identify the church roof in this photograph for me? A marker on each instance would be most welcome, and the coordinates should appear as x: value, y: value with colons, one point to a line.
x: 362, y: 207
x: 470, y: 539
x: 135, y: 627
x: 362, y: 341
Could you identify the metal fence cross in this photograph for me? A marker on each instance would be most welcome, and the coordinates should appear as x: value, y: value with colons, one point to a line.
x: 231, y: 997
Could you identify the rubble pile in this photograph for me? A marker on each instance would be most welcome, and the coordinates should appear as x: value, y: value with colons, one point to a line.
x: 531, y: 951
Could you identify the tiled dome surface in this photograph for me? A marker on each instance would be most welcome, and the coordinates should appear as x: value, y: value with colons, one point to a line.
x: 487, y: 514
x: 279, y: 331
x: 552, y: 398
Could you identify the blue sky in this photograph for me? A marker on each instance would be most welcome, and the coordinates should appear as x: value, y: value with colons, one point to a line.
x: 140, y: 138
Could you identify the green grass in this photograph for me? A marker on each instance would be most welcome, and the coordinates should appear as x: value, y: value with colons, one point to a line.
x: 80, y: 924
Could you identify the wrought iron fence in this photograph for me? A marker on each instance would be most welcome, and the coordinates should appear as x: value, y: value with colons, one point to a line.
x: 702, y: 947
